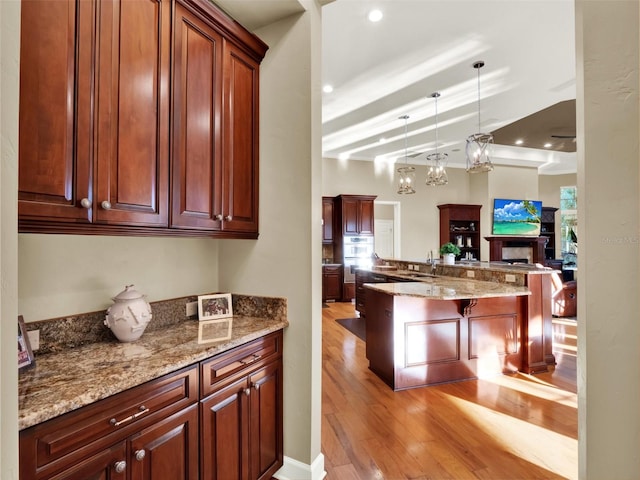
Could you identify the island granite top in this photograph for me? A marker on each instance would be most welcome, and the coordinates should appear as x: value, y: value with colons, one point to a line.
x: 449, y: 288
x: 64, y: 381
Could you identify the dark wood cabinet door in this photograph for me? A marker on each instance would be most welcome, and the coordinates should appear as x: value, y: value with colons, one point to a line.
x: 168, y: 449
x: 365, y: 217
x: 327, y: 219
x: 224, y: 433
x: 331, y: 283
x: 55, y: 109
x: 108, y: 464
x: 132, y: 168
x: 265, y: 432
x: 196, y: 136
x: 350, y: 216
x: 240, y: 147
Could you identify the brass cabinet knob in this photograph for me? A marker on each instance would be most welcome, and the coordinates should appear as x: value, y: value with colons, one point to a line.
x: 106, y: 205
x: 85, y: 202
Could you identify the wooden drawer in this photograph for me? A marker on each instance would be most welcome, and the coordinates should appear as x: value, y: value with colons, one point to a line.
x: 86, y: 430
x: 218, y: 371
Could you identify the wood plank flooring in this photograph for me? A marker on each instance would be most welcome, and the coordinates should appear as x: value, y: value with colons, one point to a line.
x: 505, y: 427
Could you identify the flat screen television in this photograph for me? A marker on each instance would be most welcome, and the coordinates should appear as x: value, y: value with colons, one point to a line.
x: 516, y: 217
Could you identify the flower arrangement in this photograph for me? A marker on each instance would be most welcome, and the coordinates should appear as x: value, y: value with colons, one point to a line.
x: 449, y: 248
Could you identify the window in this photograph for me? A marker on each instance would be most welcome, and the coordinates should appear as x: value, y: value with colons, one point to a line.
x: 569, y: 226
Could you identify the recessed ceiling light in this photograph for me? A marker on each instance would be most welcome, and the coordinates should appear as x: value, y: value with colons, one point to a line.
x: 343, y: 156
x: 375, y: 16
x: 327, y: 89
x: 519, y: 141
x: 547, y: 145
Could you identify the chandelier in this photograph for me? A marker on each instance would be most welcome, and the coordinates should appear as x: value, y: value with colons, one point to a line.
x: 479, y: 145
x: 406, y: 174
x: 436, y: 162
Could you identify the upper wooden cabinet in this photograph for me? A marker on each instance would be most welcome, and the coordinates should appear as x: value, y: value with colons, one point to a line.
x: 327, y: 219
x: 100, y: 106
x: 94, y: 112
x: 355, y: 214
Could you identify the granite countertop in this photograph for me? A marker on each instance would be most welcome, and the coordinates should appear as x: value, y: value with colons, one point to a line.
x: 63, y: 381
x: 448, y: 288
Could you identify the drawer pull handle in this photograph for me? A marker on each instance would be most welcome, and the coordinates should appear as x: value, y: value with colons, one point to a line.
x: 251, y: 359
x: 247, y: 392
x: 140, y: 454
x: 120, y: 466
x: 117, y: 423
x: 256, y: 386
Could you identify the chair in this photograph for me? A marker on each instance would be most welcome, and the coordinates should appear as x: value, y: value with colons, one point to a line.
x: 564, y: 297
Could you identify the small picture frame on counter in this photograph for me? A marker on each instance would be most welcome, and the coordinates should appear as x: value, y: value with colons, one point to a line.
x: 211, y: 307
x: 25, y: 354
x: 214, y: 330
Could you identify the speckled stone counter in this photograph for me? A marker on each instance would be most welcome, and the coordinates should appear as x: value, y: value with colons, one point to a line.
x: 449, y: 288
x: 68, y: 378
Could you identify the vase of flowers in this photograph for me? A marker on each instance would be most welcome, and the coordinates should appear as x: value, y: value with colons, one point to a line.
x: 449, y: 252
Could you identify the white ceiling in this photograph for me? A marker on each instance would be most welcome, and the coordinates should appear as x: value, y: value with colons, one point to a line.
x: 380, y: 71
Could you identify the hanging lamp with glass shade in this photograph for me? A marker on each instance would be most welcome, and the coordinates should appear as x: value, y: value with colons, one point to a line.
x: 479, y: 145
x: 436, y: 162
x: 406, y: 173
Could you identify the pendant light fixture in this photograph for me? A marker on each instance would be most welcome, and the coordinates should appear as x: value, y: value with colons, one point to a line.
x: 406, y: 174
x: 479, y: 145
x: 436, y: 162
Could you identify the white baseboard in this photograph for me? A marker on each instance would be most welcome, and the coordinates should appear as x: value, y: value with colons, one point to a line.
x: 294, y: 470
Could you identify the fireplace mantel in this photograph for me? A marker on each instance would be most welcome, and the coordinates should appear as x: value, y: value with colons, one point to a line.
x: 535, y: 243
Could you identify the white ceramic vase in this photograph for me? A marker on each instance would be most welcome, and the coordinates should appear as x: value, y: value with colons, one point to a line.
x: 129, y: 315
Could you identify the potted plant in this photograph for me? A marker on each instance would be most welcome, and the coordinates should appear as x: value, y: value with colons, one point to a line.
x: 449, y: 252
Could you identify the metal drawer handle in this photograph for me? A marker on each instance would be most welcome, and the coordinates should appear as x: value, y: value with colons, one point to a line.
x: 252, y: 359
x: 140, y: 454
x: 117, y: 423
x: 120, y: 466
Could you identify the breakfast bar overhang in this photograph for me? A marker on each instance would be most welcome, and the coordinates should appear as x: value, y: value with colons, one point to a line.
x: 445, y: 329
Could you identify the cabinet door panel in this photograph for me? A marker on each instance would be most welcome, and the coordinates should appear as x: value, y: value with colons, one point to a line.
x: 240, y: 175
x: 54, y: 144
x: 101, y: 466
x: 365, y: 217
x: 197, y: 91
x: 133, y: 112
x: 224, y: 433
x: 170, y: 448
x: 350, y: 216
x: 266, y: 421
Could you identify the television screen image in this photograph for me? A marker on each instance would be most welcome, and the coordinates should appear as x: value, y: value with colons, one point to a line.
x: 516, y: 217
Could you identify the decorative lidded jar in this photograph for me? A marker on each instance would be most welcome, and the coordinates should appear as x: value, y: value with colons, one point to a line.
x: 129, y: 315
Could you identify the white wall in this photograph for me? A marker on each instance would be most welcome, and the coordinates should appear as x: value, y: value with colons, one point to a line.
x: 608, y: 113
x: 9, y: 59
x: 68, y: 274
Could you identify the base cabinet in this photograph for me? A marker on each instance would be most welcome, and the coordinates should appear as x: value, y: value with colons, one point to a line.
x: 332, y: 282
x: 221, y: 419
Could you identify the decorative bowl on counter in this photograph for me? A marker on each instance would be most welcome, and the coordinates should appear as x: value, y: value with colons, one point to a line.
x: 129, y: 315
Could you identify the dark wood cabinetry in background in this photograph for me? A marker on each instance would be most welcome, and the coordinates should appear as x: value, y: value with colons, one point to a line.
x: 219, y: 419
x: 327, y: 220
x: 95, y: 121
x: 548, y: 229
x: 461, y: 220
x: 354, y: 214
x: 332, y: 282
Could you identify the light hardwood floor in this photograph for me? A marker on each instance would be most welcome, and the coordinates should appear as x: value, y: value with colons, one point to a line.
x: 506, y: 427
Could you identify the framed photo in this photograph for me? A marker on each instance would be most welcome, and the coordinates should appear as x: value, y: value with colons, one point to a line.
x: 211, y: 307
x: 25, y: 354
x: 214, y: 330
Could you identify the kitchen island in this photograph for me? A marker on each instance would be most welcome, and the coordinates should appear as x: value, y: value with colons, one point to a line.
x: 444, y: 329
